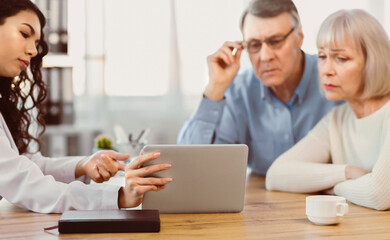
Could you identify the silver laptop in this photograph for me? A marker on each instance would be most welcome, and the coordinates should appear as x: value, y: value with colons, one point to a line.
x: 206, y: 178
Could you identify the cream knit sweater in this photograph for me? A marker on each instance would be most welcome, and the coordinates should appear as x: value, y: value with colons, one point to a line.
x: 318, y: 161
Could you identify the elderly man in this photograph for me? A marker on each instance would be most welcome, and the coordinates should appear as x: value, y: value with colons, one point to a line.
x: 269, y: 106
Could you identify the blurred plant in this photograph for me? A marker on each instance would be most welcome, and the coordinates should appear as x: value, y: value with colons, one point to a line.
x: 103, y: 142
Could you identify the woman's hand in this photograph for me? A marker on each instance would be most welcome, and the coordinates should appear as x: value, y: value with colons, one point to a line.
x: 102, y: 165
x: 352, y: 172
x: 137, y: 182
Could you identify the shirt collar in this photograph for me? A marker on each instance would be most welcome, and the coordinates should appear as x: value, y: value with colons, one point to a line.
x: 309, y: 74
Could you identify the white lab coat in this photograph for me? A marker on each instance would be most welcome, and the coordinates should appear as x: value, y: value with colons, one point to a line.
x: 47, y: 185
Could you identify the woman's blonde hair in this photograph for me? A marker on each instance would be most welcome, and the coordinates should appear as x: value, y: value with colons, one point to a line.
x: 361, y: 30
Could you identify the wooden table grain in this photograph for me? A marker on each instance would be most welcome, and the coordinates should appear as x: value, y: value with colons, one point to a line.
x: 267, y: 215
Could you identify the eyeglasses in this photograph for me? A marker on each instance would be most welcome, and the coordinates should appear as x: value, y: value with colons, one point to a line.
x: 254, y: 45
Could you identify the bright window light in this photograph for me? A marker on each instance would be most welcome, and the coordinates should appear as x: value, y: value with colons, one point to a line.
x: 137, y: 47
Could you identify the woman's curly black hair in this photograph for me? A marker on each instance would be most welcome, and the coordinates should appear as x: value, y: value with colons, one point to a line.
x: 13, y: 101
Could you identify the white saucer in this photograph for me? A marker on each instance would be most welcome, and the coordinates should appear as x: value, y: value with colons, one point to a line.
x: 325, y: 220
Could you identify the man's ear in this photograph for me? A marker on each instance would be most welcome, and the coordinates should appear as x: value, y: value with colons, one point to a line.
x: 300, y: 37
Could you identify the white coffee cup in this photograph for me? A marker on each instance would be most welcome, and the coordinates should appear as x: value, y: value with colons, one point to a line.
x: 325, y: 209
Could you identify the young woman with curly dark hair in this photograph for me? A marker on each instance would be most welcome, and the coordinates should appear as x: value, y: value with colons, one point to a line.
x: 13, y: 99
x: 28, y: 179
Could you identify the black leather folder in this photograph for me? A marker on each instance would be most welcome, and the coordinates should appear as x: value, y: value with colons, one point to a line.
x: 109, y: 221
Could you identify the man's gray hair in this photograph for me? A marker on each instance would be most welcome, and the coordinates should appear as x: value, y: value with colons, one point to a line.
x: 269, y: 9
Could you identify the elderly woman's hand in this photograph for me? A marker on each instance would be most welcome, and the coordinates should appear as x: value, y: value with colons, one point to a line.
x: 102, y: 165
x: 352, y: 172
x: 138, y: 182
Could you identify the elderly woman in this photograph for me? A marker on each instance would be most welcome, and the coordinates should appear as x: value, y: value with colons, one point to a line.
x: 348, y: 152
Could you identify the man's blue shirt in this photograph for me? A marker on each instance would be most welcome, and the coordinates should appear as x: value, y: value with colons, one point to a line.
x: 251, y: 114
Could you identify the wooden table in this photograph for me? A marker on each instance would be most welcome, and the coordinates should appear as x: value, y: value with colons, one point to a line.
x: 267, y: 215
